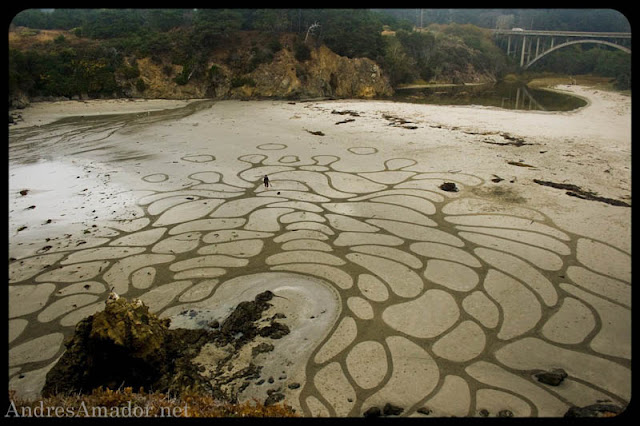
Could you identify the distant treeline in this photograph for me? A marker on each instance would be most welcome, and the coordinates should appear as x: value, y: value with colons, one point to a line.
x: 453, y: 43
x: 599, y: 20
x: 111, y: 22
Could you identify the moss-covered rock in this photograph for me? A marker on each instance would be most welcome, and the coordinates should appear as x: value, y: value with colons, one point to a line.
x: 126, y: 345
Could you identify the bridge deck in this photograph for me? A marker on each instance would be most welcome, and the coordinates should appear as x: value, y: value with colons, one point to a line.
x: 563, y: 33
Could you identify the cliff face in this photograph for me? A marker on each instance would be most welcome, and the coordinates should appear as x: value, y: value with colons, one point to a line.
x: 242, y: 65
x: 325, y: 74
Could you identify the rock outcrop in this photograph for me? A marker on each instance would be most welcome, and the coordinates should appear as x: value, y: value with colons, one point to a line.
x: 126, y: 345
x: 324, y: 74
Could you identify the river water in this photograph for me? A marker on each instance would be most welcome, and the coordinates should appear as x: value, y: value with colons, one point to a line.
x: 500, y: 95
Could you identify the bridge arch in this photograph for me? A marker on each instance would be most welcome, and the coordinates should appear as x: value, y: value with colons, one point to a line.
x: 569, y: 43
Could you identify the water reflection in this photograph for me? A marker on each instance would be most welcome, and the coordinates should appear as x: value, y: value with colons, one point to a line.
x: 501, y: 95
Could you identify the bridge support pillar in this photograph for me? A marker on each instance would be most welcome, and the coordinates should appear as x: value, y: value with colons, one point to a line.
x: 524, y: 46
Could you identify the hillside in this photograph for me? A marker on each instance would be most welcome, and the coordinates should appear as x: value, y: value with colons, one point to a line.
x: 348, y: 58
x: 250, y: 64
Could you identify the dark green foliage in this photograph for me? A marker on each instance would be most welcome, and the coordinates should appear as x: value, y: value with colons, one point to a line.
x: 301, y: 51
x: 114, y: 23
x: 538, y: 19
x: 189, y: 37
x: 63, y: 71
x: 129, y: 72
x: 259, y: 56
x: 351, y: 32
x: 589, y: 59
x: 140, y: 85
x: 399, y: 65
x: 183, y: 78
x: 242, y: 81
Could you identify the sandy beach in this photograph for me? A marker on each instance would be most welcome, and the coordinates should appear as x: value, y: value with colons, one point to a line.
x: 396, y: 290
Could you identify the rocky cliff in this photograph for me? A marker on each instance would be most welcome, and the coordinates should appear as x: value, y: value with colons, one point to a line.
x: 240, y: 65
x: 325, y: 74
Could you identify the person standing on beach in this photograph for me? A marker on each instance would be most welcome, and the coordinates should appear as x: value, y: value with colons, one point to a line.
x: 266, y: 181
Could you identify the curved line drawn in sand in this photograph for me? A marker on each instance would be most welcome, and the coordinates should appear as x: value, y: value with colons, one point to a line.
x: 271, y: 146
x: 199, y: 158
x: 156, y: 178
x: 441, y: 303
x: 362, y: 150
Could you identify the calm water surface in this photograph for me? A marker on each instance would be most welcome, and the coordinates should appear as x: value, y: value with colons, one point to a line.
x: 500, y: 95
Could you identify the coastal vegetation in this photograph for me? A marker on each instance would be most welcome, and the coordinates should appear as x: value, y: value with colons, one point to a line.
x: 128, y: 403
x: 92, y: 53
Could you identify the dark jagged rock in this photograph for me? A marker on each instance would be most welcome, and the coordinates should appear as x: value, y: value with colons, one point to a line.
x: 275, y: 330
x: 392, y: 410
x: 373, y: 412
x: 261, y: 348
x: 505, y: 413
x: 273, y: 397
x: 553, y: 377
x: 449, y: 187
x: 126, y: 345
x: 594, y: 410
x: 240, y: 327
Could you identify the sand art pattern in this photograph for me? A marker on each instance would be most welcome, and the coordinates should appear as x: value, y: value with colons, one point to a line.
x: 434, y: 301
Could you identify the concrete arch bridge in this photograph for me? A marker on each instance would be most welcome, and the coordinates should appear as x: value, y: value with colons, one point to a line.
x: 533, y: 45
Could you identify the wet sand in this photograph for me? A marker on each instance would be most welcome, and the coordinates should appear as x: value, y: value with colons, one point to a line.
x: 169, y: 206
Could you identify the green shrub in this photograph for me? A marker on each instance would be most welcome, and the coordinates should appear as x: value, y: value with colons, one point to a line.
x: 301, y: 51
x: 130, y: 72
x: 242, y: 81
x: 140, y: 85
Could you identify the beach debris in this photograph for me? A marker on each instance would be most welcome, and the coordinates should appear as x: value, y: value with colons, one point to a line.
x: 449, y: 187
x: 317, y: 133
x: 520, y: 164
x: 576, y: 191
x: 346, y: 112
x: 398, y: 122
x: 510, y: 140
x: 348, y: 120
